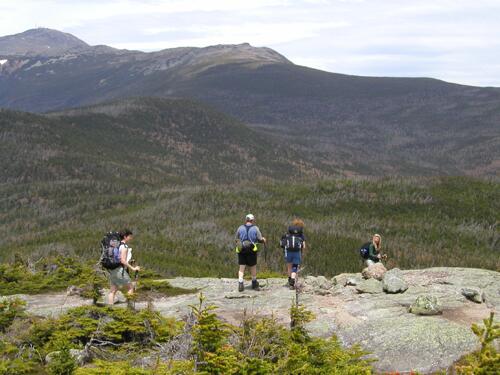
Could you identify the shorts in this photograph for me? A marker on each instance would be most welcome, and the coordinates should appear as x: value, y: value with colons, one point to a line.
x: 247, y: 258
x: 119, y: 277
x: 293, y: 257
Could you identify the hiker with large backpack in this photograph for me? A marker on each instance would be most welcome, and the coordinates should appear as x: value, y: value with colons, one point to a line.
x: 247, y: 237
x: 115, y: 258
x: 294, y: 246
x: 371, y: 251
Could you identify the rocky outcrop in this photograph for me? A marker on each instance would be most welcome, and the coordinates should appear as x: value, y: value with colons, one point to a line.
x: 80, y: 356
x: 381, y: 322
x: 369, y: 286
x: 393, y: 281
x: 375, y: 271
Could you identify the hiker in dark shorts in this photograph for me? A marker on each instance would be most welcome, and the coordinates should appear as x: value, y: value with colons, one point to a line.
x: 247, y: 237
x: 119, y: 276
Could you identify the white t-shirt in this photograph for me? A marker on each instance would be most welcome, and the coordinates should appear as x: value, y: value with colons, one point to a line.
x: 128, y: 249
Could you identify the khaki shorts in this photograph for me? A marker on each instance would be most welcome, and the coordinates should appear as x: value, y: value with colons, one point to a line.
x: 119, y: 277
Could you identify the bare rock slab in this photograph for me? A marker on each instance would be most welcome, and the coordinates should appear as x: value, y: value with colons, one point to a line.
x: 399, y: 341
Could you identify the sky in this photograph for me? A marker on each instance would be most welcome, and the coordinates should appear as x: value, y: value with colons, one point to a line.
x: 453, y: 40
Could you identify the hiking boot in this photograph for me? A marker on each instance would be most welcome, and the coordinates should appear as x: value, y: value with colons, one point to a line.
x: 241, y: 287
x: 289, y: 280
x: 255, y: 285
x: 292, y: 283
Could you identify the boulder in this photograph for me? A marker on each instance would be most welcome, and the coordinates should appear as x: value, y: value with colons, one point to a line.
x: 74, y: 291
x: 318, y: 285
x: 375, y: 271
x: 80, y: 356
x: 352, y: 281
x: 473, y: 294
x: 346, y: 279
x: 311, y: 281
x: 393, y: 281
x: 323, y: 283
x: 426, y: 305
x: 371, y: 286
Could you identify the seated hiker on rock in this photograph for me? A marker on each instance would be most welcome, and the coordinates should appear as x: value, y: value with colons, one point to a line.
x: 247, y: 237
x: 374, y: 248
x: 119, y: 276
x: 294, y: 245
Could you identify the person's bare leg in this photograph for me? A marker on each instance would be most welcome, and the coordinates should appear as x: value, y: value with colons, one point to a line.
x: 289, y: 269
x: 112, y: 293
x: 253, y: 272
x: 241, y: 273
x: 131, y: 289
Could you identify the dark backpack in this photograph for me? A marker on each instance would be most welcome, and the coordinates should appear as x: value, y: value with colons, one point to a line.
x: 364, y: 251
x: 110, y: 251
x: 293, y: 240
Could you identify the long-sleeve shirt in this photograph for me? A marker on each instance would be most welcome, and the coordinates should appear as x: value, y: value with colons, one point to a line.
x: 373, y: 253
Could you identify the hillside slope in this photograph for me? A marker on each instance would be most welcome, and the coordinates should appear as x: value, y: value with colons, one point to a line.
x: 145, y: 141
x: 366, y: 125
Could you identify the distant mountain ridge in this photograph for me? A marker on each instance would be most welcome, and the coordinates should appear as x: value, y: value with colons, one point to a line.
x: 365, y: 125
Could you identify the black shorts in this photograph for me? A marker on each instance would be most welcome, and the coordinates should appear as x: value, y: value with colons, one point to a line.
x: 247, y: 258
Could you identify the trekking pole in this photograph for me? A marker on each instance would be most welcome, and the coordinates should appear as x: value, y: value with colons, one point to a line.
x: 265, y: 253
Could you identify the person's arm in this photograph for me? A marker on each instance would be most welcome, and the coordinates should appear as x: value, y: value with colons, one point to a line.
x: 237, y: 236
x: 260, y: 238
x: 123, y: 259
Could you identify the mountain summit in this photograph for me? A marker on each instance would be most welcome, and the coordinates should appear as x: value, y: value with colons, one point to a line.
x: 39, y: 42
x: 364, y: 125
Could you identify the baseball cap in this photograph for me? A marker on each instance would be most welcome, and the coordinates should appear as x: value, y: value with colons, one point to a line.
x: 250, y: 217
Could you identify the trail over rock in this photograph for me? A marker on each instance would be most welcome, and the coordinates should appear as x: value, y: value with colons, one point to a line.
x: 381, y: 323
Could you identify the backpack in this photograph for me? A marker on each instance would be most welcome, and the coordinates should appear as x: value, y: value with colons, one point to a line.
x: 365, y: 250
x: 246, y: 242
x: 110, y: 251
x: 293, y: 240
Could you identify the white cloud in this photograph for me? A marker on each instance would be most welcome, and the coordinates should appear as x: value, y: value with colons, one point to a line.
x: 258, y: 34
x: 448, y: 39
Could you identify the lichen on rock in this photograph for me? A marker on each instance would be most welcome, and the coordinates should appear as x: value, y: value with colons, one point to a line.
x: 426, y: 305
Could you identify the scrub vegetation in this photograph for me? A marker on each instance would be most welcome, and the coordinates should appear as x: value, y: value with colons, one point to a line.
x: 121, y: 341
x: 102, y: 340
x: 189, y: 230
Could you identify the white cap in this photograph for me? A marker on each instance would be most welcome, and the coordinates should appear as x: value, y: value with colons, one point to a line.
x: 249, y: 217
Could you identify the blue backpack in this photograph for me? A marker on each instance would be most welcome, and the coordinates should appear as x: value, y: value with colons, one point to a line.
x: 365, y: 250
x: 110, y: 251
